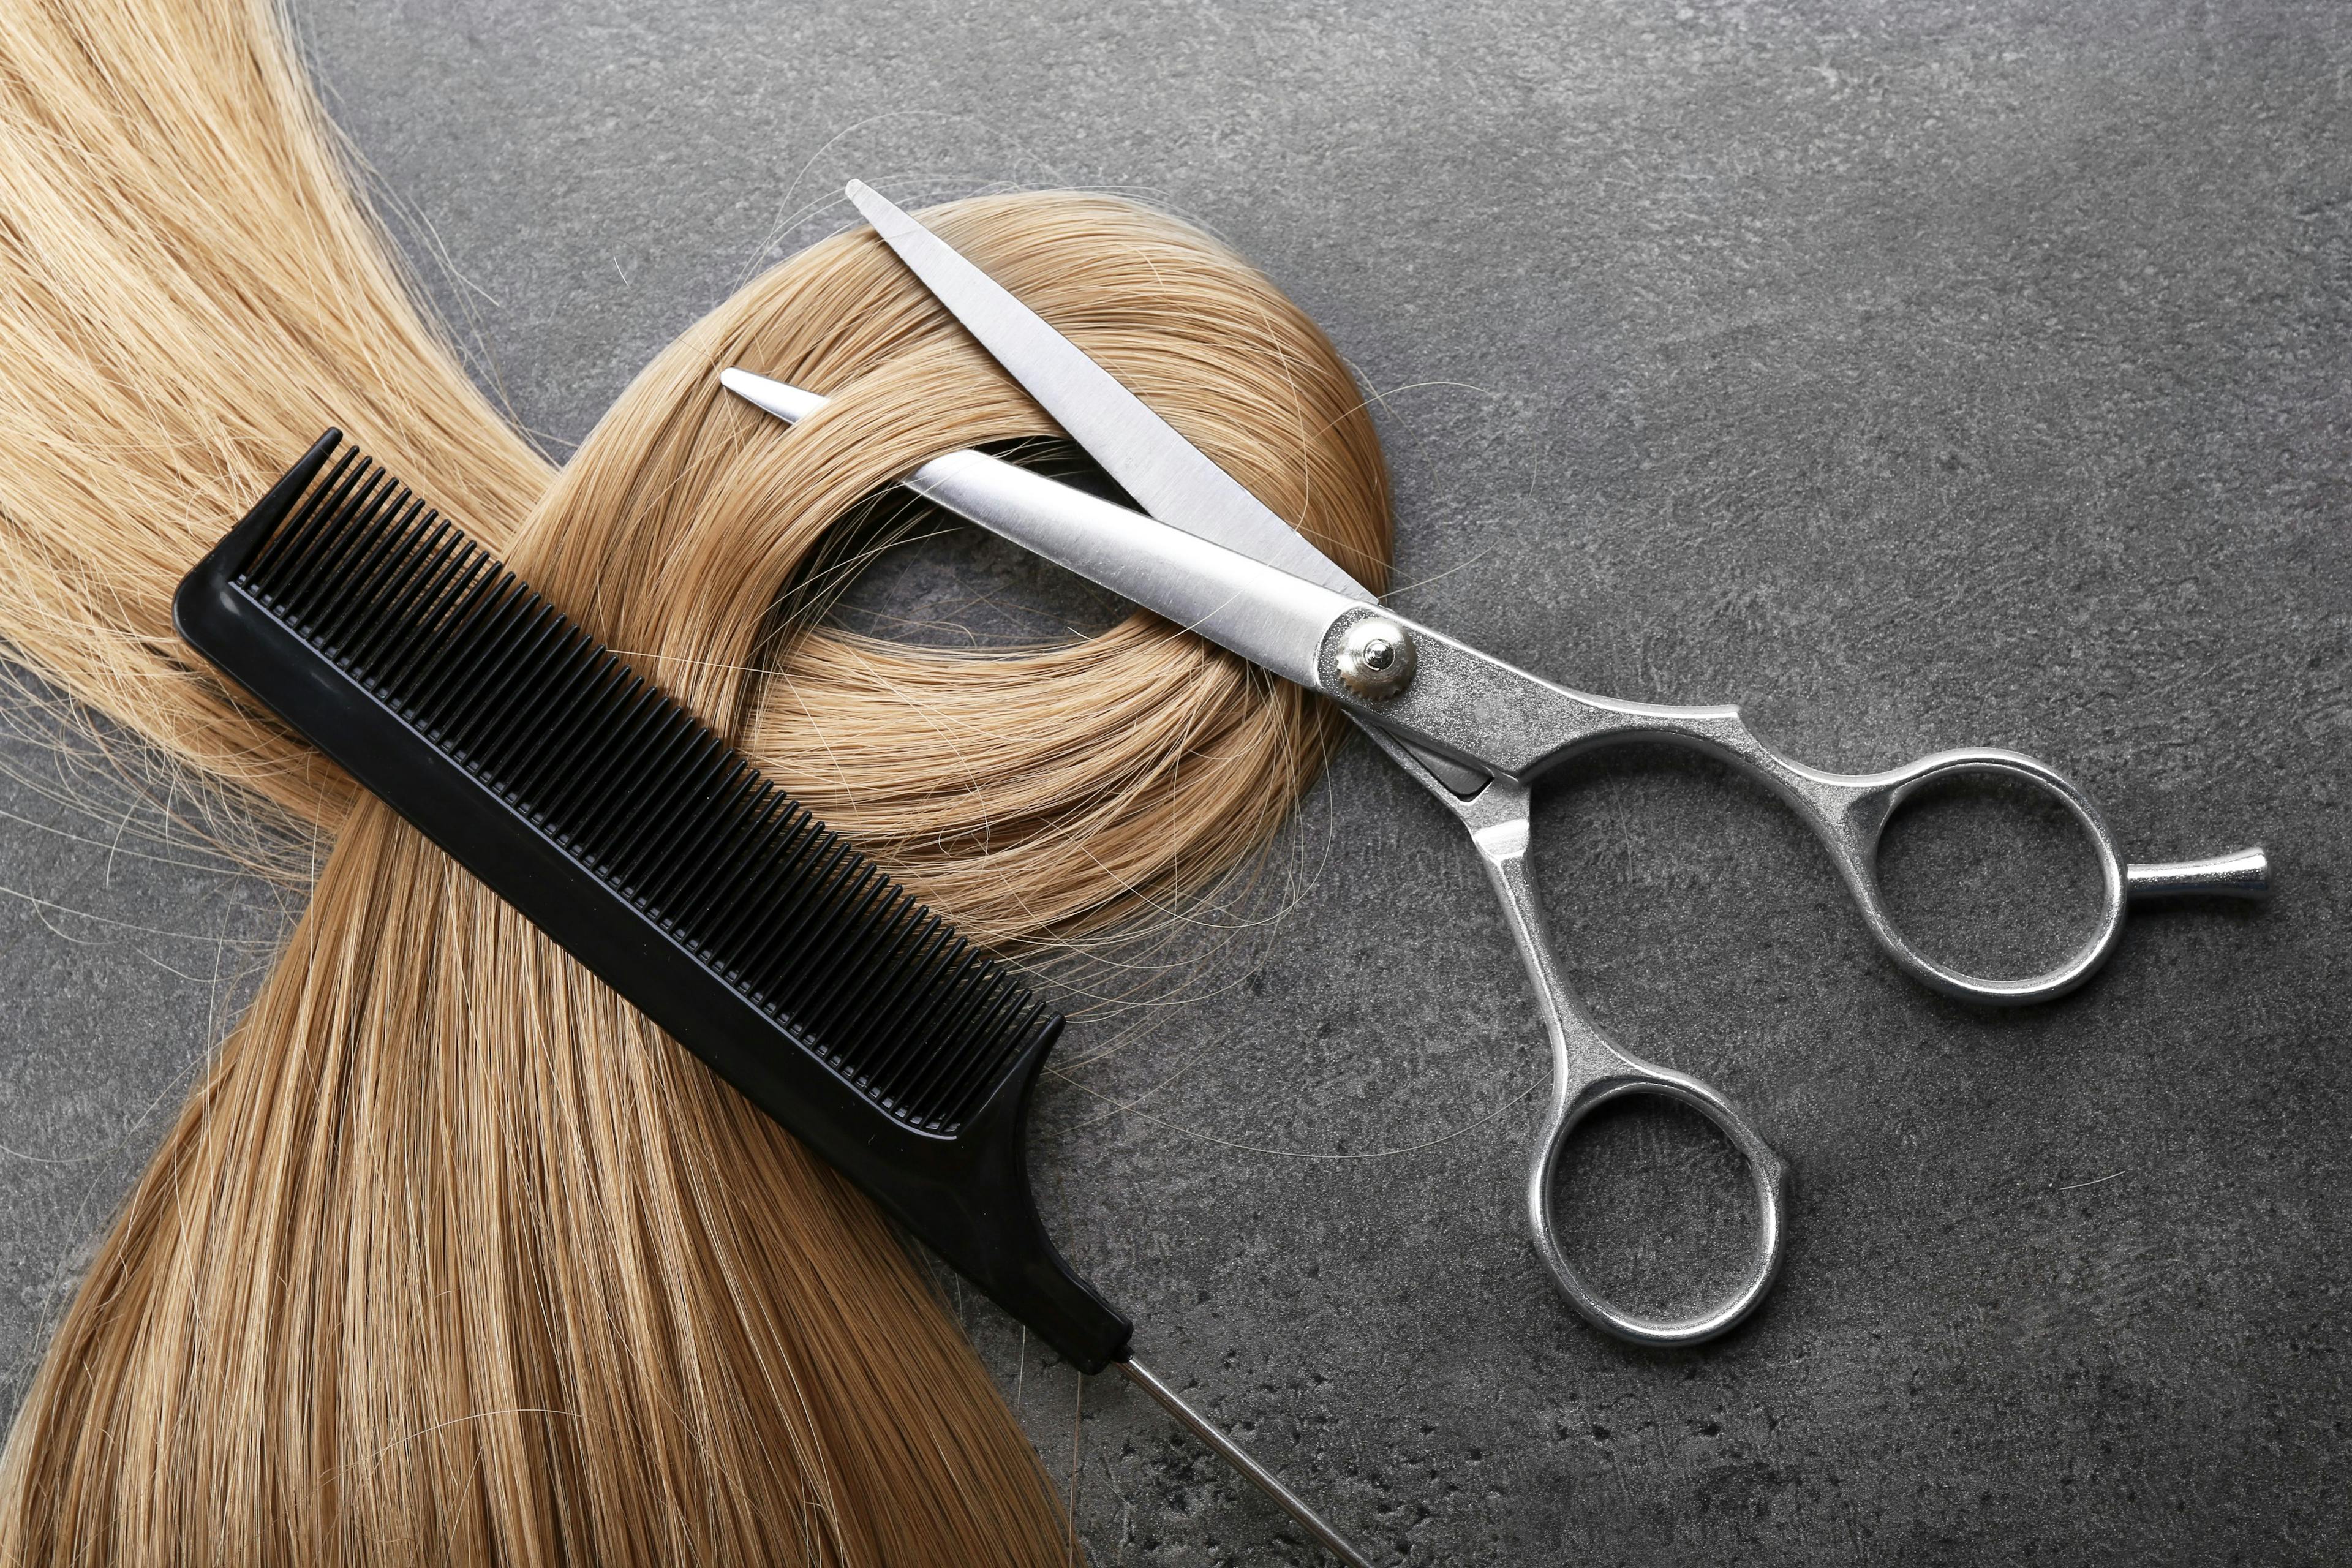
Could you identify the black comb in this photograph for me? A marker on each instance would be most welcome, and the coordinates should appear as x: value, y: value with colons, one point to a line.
x: 655, y: 855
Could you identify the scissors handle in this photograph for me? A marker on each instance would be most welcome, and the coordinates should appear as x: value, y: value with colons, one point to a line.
x: 1849, y: 814
x: 1469, y: 705
x: 1589, y: 1071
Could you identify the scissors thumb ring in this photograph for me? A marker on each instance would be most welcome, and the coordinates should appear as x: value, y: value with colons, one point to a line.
x: 1767, y: 1171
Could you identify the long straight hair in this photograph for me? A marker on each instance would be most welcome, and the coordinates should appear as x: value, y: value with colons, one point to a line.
x: 451, y: 1257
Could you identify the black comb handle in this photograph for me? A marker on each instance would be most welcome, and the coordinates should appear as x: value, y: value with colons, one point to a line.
x: 655, y: 855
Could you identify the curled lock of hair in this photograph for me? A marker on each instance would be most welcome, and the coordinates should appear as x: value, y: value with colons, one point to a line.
x: 451, y: 1257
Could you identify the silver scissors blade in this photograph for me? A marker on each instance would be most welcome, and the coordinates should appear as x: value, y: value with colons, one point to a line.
x: 1273, y: 620
x: 1175, y: 480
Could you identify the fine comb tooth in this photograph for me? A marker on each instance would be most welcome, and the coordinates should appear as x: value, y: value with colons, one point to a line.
x: 541, y: 746
x: 375, y: 552
x: 910, y: 1080
x: 288, y: 551
x: 485, y: 675
x: 587, y: 786
x: 621, y: 710
x: 447, y: 688
x: 673, y: 876
x: 765, y: 947
x: 667, y: 785
x: 795, y: 835
x: 402, y: 596
x: 540, y: 627
x: 448, y: 651
x: 260, y: 569
x: 911, y: 1084
x: 933, y: 937
x: 900, y: 920
x: 604, y: 808
x: 867, y: 931
x: 952, y: 973
x: 923, y: 937
x: 304, y: 577
x: 523, y: 625
x: 776, y: 820
x: 409, y: 641
x: 758, y: 824
x: 680, y: 890
x: 853, y: 926
x: 1002, y: 1034
x: 772, y: 966
x: 294, y: 589
x: 347, y: 543
x: 572, y: 730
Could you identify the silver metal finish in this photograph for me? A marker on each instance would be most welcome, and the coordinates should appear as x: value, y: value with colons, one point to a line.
x: 1466, y: 704
x: 789, y: 403
x: 2245, y: 875
x: 1236, y: 600
x: 1174, y: 480
x: 1275, y: 620
x: 1500, y: 719
x: 1198, y: 1425
x: 1588, y: 1071
x: 1149, y: 565
x: 1475, y: 730
x: 1376, y: 657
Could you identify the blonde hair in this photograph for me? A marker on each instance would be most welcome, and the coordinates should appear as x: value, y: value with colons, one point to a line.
x: 453, y: 1257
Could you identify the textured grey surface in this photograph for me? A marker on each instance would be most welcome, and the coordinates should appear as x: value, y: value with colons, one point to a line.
x: 1914, y: 373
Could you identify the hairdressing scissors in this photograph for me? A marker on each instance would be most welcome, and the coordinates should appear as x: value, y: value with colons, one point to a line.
x: 1476, y: 733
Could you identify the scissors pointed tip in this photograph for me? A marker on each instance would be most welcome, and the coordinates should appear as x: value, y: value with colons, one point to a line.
x: 789, y: 403
x: 876, y: 209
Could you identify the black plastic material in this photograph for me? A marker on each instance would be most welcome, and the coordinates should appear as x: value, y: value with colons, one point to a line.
x: 655, y: 855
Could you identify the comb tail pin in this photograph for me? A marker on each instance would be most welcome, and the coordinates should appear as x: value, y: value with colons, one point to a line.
x: 1200, y: 1425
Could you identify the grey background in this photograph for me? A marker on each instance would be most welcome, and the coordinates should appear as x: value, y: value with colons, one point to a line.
x: 1916, y: 375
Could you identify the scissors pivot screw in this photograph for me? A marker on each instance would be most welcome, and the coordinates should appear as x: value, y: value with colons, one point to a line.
x: 1376, y: 657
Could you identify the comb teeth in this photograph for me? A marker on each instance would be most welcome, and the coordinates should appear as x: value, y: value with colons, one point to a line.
x: 642, y: 797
